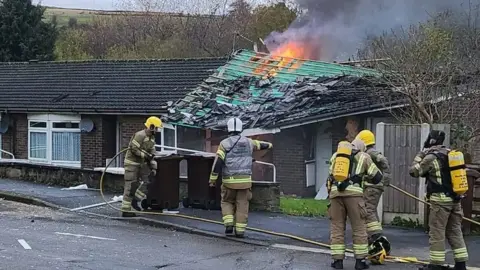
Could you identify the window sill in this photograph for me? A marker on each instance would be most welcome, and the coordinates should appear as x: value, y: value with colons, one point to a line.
x: 39, y: 162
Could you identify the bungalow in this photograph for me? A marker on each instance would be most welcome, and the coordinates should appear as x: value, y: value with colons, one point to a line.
x: 304, y: 107
x: 80, y: 113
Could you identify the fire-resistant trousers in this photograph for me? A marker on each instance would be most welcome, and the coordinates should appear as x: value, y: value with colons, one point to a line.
x: 354, y: 208
x: 372, y: 198
x: 235, y: 203
x: 446, y: 221
x: 132, y: 187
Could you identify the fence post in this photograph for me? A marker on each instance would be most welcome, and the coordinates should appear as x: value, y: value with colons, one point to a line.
x: 380, y: 145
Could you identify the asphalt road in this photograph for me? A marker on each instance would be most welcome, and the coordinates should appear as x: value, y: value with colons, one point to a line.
x: 40, y: 238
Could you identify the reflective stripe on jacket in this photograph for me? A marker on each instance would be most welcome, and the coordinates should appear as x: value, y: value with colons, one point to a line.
x: 140, y: 144
x: 382, y: 164
x: 364, y: 167
x: 234, y: 161
x: 426, y: 164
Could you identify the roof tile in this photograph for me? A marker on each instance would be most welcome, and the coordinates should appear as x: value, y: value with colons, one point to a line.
x: 101, y: 85
x: 254, y: 88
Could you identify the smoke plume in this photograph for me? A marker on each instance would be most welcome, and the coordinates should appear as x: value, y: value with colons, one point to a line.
x: 338, y: 27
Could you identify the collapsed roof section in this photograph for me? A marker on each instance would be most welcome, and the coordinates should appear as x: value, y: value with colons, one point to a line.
x: 267, y: 92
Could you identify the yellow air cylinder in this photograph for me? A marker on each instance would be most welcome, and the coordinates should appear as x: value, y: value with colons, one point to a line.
x: 341, y: 167
x: 458, y: 172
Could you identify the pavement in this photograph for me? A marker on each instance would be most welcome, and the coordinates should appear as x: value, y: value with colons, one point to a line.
x: 405, y: 242
x: 39, y: 238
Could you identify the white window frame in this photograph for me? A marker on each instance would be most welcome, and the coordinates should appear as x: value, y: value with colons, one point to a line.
x: 165, y: 150
x: 50, y: 119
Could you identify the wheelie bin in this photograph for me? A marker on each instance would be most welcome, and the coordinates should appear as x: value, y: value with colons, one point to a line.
x: 164, y: 189
x: 200, y: 194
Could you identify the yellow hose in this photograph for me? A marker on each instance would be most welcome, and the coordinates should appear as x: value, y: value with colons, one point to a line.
x: 294, y: 237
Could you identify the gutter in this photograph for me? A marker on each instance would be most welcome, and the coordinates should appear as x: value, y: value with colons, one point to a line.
x: 332, y: 116
x: 162, y: 110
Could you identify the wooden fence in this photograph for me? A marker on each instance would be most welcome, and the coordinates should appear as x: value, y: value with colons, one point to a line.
x: 471, y: 204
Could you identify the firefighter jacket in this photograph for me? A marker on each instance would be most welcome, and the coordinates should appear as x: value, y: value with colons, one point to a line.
x: 382, y: 163
x: 234, y: 161
x: 427, y: 164
x: 139, y: 148
x: 363, y: 169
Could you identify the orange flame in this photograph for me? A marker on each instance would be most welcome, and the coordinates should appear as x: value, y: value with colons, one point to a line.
x: 291, y: 49
x: 289, y: 55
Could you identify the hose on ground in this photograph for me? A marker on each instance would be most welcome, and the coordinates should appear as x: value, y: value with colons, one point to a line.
x: 428, y: 203
x: 290, y: 236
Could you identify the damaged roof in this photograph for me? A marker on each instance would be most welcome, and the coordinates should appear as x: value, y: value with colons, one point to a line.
x: 265, y: 93
x: 101, y: 86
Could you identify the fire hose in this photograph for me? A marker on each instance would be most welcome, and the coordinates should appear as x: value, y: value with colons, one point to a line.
x: 290, y: 236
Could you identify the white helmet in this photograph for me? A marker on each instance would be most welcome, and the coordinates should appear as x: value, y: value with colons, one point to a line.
x: 234, y: 125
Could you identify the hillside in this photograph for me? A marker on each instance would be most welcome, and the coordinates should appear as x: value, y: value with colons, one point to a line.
x: 82, y: 15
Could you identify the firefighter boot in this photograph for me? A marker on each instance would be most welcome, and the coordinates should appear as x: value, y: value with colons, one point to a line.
x: 337, y: 264
x: 361, y: 264
x: 136, y: 205
x: 460, y: 266
x: 229, y: 230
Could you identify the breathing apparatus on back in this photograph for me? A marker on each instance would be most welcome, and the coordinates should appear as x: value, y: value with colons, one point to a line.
x: 453, y: 169
x: 342, y: 172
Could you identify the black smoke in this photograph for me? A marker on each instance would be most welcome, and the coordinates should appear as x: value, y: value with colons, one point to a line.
x: 339, y: 27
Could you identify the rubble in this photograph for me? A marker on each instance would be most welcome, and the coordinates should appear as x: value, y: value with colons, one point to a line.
x: 266, y: 92
x: 266, y: 102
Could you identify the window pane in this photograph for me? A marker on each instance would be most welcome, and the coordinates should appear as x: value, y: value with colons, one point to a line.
x: 66, y: 146
x: 66, y: 125
x: 38, y: 124
x: 38, y: 145
x: 158, y: 140
x: 169, y: 139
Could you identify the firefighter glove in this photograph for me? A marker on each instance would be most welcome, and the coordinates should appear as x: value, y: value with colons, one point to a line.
x: 149, y: 157
x: 153, y: 172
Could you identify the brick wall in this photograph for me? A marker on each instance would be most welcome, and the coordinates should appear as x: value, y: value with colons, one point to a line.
x: 100, y: 144
x: 91, y: 144
x: 128, y: 126
x: 16, y: 138
x: 291, y: 147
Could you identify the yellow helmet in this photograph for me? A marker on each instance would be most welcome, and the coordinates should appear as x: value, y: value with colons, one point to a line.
x: 367, y: 137
x: 154, y: 123
x: 378, y: 258
x: 377, y: 253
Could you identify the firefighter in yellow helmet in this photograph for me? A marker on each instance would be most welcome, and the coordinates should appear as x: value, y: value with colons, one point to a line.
x: 234, y: 163
x: 446, y: 212
x: 139, y: 164
x: 372, y: 193
x: 350, y: 166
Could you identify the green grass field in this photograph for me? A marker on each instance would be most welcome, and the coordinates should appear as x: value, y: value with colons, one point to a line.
x: 64, y: 15
x: 306, y: 207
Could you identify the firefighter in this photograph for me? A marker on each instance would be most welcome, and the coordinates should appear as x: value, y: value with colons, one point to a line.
x: 139, y: 163
x: 234, y: 162
x: 446, y: 210
x: 373, y: 193
x: 346, y: 200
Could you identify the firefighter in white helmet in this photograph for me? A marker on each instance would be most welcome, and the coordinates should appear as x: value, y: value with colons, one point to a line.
x: 234, y: 163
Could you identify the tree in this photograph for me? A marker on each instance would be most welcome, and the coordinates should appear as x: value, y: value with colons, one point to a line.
x: 23, y: 34
x: 435, y: 66
x: 72, y: 45
x: 270, y: 18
